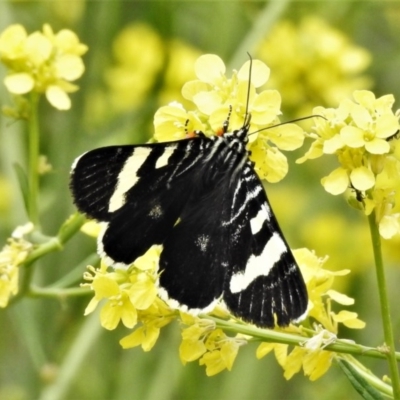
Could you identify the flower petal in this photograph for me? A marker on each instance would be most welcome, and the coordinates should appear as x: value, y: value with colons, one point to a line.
x: 58, y: 98
x: 20, y: 83
x: 386, y: 125
x: 69, y: 67
x: 389, y: 226
x: 209, y: 68
x: 340, y: 297
x: 352, y: 136
x: 362, y: 178
x: 377, y: 146
x: 259, y: 72
x: 331, y: 145
x: 336, y: 182
x: 287, y: 137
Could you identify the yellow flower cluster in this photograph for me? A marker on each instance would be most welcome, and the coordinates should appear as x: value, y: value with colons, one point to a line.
x: 214, y: 349
x: 42, y: 62
x: 363, y: 136
x: 317, y: 65
x: 216, y: 97
x: 130, y: 297
x: 12, y: 256
x: 312, y: 357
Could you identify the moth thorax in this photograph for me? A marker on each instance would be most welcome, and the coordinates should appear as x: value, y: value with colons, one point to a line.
x: 241, y: 134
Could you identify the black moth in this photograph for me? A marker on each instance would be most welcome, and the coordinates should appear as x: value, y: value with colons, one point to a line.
x: 202, y: 200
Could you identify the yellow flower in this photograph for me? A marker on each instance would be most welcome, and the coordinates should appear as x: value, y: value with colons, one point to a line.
x: 319, y: 282
x: 214, y: 349
x: 193, y: 338
x: 213, y: 94
x: 43, y: 62
x: 12, y: 256
x: 152, y: 319
x: 317, y: 64
x: 382, y: 200
x: 125, y: 292
x: 216, y: 97
x: 172, y: 122
x: 363, y: 134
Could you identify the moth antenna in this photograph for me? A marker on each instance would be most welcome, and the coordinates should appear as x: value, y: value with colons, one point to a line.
x: 225, y: 125
x: 247, y: 116
x: 288, y: 122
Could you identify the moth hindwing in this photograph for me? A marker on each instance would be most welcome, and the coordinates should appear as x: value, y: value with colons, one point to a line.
x: 202, y: 200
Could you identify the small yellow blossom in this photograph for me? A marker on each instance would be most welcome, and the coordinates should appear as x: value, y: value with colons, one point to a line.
x: 12, y: 256
x: 43, y: 62
x: 216, y: 97
x: 152, y: 319
x: 130, y: 296
x: 125, y: 291
x: 211, y: 346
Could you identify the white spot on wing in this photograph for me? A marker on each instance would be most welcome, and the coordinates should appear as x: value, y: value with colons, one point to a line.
x: 156, y: 212
x: 257, y: 222
x: 127, y: 178
x: 202, y: 242
x: 259, y: 265
x: 162, y: 161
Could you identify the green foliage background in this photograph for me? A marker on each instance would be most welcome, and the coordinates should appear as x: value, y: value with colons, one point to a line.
x: 44, y: 338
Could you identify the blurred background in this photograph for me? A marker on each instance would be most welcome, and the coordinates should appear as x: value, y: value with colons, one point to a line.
x: 140, y: 54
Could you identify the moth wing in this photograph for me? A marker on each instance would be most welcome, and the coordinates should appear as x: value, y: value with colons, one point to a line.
x: 264, y: 280
x: 137, y: 191
x: 193, y: 262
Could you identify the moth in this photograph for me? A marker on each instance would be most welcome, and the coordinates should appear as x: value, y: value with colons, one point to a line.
x: 201, y: 199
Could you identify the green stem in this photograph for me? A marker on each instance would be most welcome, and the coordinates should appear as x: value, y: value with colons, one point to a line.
x: 384, y: 302
x: 266, y: 19
x: 58, y: 293
x: 372, y: 379
x: 67, y: 230
x: 267, y: 335
x: 33, y: 173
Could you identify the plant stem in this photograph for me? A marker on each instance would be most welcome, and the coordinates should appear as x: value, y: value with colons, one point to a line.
x: 372, y: 379
x: 266, y: 19
x: 33, y: 161
x: 58, y: 293
x: 268, y: 335
x: 68, y: 229
x: 384, y: 302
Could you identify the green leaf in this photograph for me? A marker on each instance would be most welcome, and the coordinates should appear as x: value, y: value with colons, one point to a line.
x: 23, y: 184
x: 365, y: 390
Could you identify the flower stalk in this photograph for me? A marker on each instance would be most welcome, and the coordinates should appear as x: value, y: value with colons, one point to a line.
x: 384, y: 303
x: 33, y: 162
x: 265, y: 335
